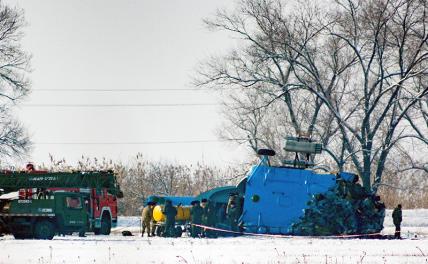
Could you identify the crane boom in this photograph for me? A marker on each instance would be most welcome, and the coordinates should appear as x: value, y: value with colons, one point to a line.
x: 13, y: 181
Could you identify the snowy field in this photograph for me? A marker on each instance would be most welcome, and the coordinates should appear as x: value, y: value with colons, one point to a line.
x: 118, y: 249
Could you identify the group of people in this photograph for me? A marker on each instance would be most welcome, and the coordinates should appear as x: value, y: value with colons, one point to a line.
x: 204, y: 215
x: 149, y: 224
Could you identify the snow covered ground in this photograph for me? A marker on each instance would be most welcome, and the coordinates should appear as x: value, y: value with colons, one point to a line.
x: 118, y: 249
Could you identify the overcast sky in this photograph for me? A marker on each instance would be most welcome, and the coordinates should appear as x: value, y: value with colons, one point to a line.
x: 121, y: 45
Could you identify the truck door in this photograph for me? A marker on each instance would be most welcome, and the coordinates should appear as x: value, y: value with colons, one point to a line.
x: 74, y: 212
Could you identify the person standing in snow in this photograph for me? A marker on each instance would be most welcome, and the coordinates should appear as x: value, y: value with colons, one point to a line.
x: 397, y: 218
x: 146, y: 218
x: 170, y: 212
x: 196, y: 216
x: 233, y: 216
x: 208, y: 218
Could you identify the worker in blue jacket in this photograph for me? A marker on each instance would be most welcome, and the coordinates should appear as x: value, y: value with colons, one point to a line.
x: 170, y: 212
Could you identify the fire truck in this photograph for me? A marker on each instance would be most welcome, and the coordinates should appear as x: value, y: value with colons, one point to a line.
x: 57, y: 202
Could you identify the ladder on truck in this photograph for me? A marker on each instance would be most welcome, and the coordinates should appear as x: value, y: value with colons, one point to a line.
x: 11, y: 181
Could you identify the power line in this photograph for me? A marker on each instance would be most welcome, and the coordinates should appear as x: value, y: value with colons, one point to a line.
x: 119, y: 105
x: 140, y: 142
x: 120, y: 90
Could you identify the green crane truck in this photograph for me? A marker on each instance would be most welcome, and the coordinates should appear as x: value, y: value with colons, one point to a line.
x: 40, y: 204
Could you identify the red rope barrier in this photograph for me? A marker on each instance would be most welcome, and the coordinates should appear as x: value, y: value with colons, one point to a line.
x: 283, y: 236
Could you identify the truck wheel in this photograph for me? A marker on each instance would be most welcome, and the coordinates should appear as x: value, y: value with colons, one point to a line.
x: 105, y: 225
x: 44, y: 230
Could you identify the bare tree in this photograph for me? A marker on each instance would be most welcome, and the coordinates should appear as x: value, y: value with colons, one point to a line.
x: 14, y: 84
x: 350, y: 73
x: 254, y: 123
x: 385, y: 42
x: 268, y: 101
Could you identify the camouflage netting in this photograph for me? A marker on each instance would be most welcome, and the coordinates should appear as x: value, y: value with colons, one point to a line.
x: 346, y: 208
